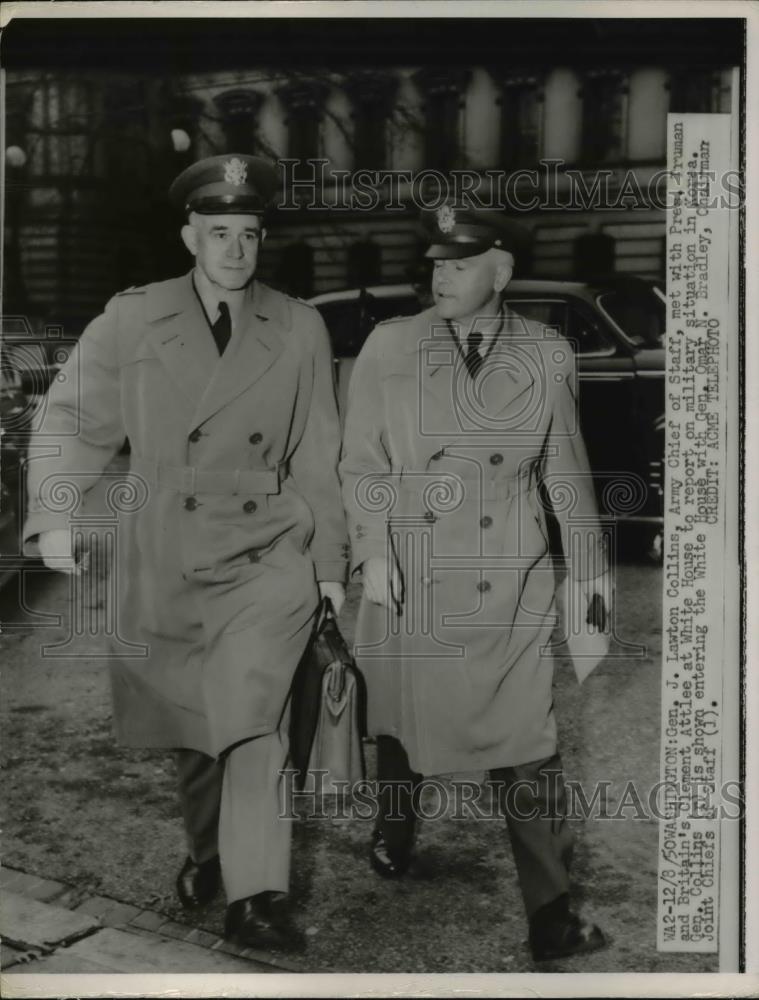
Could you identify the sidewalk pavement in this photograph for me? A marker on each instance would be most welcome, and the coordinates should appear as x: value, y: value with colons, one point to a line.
x: 48, y: 926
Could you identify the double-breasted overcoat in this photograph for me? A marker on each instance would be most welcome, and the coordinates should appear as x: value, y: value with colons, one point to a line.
x: 237, y: 512
x: 444, y: 473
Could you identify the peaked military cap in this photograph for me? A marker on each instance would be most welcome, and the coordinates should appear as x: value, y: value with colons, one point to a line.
x: 232, y: 184
x: 458, y: 231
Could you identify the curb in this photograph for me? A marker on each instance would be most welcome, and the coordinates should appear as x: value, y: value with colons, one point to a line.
x: 114, y: 914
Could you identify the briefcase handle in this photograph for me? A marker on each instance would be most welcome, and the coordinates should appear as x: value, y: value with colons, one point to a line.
x: 326, y: 613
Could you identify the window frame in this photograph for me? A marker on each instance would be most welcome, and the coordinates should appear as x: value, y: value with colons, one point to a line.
x: 585, y: 311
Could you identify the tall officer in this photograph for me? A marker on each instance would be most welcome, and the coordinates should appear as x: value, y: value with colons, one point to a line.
x: 456, y: 419
x: 224, y: 388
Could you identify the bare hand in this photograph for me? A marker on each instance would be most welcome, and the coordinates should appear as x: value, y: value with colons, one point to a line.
x: 382, y: 583
x: 55, y: 549
x: 334, y: 591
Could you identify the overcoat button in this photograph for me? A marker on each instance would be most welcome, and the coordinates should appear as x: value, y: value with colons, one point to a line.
x: 253, y: 556
x: 256, y: 438
x: 249, y: 506
x: 486, y: 521
x: 190, y: 503
x: 195, y: 436
x: 429, y: 516
x: 496, y: 459
x: 483, y: 586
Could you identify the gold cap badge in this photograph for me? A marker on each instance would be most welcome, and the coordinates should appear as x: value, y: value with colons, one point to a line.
x: 446, y: 219
x: 235, y: 172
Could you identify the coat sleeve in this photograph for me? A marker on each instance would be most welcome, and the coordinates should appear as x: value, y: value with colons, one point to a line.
x: 569, y: 480
x: 313, y: 463
x: 80, y: 432
x: 365, y: 466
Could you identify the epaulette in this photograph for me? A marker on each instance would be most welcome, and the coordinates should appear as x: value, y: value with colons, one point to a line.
x: 134, y: 290
x: 393, y: 319
x: 301, y: 302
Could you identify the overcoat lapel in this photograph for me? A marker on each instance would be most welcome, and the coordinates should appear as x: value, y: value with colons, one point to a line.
x: 508, y: 379
x: 509, y: 371
x: 180, y: 335
x: 252, y: 350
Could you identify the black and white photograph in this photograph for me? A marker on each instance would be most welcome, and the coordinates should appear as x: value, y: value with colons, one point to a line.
x: 371, y: 540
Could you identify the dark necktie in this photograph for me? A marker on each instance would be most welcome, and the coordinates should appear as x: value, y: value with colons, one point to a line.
x: 222, y: 328
x: 473, y: 359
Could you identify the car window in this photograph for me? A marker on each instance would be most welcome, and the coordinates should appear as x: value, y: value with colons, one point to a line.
x: 568, y: 318
x: 639, y: 314
x: 350, y: 321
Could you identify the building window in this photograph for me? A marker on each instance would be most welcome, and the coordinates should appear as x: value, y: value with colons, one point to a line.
x: 364, y: 264
x: 594, y: 256
x: 295, y: 272
x: 18, y: 107
x: 62, y: 128
x: 694, y: 90
x: 19, y: 101
x: 604, y: 116
x: 372, y: 95
x: 521, y: 120
x: 443, y: 102
x: 125, y: 132
x: 304, y: 102
x: 184, y: 113
x: 239, y: 118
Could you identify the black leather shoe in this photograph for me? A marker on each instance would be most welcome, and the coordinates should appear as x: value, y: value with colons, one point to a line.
x: 556, y: 932
x: 197, y: 884
x: 257, y: 922
x: 386, y: 861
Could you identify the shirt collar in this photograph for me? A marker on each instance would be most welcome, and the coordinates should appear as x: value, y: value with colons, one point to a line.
x: 210, y: 297
x: 207, y: 295
x: 489, y: 328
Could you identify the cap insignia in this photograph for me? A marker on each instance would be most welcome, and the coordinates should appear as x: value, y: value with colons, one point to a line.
x: 235, y: 172
x: 446, y: 219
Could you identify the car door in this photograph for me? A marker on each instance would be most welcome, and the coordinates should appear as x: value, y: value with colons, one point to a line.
x: 350, y: 318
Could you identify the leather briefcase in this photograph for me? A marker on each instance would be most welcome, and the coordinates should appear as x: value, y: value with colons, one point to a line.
x: 327, y: 711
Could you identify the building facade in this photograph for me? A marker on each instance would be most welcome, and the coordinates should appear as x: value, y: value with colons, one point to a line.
x: 90, y: 155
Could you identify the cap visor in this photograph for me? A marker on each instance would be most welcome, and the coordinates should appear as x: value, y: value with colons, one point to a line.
x: 217, y: 206
x: 456, y: 251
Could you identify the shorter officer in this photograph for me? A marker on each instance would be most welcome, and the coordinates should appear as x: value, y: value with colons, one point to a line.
x: 457, y: 418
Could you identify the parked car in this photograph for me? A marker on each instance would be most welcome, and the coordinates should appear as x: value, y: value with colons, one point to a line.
x: 616, y: 329
x: 13, y: 443
x: 29, y: 360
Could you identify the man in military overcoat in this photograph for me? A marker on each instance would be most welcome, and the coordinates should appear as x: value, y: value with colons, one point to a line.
x: 225, y: 391
x: 458, y: 418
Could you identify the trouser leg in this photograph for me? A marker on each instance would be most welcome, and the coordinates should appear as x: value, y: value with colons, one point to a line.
x: 533, y: 799
x: 396, y: 787
x: 254, y: 828
x: 199, y: 782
